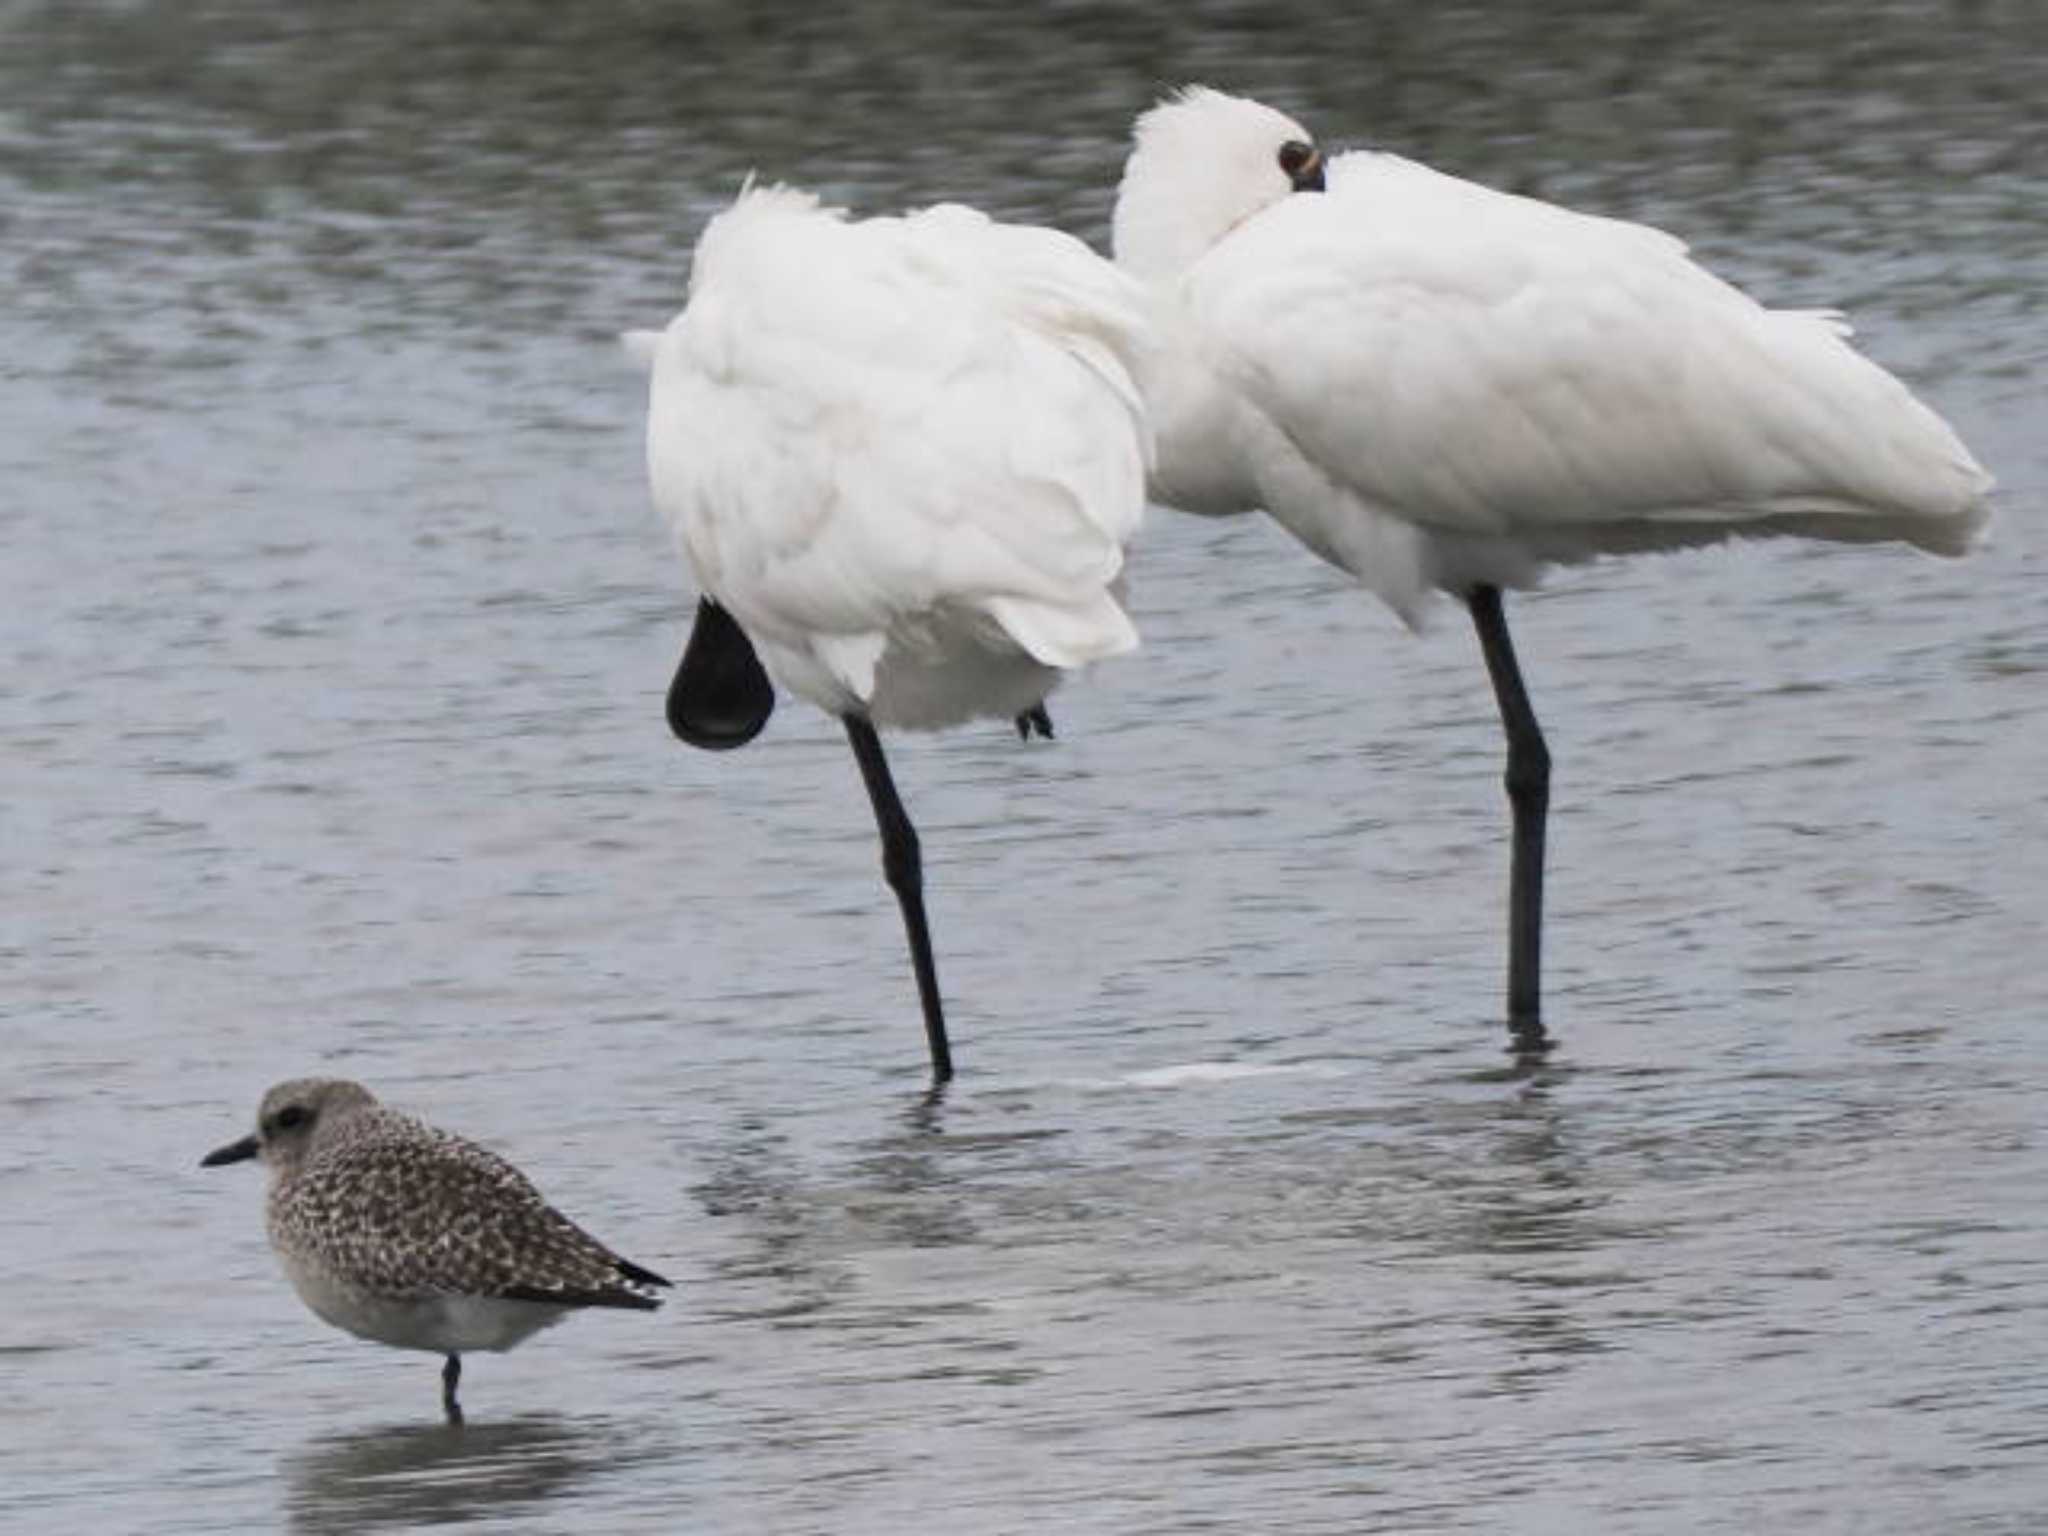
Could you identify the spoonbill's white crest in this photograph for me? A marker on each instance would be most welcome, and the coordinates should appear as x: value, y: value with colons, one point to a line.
x: 1437, y: 386
x: 903, y: 457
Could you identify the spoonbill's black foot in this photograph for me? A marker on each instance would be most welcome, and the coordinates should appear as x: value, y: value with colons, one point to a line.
x: 1528, y: 1040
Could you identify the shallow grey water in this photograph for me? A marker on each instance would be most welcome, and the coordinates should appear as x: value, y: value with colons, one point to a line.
x: 335, y: 629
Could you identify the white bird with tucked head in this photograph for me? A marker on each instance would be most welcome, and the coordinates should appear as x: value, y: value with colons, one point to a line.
x: 903, y: 457
x: 1440, y: 387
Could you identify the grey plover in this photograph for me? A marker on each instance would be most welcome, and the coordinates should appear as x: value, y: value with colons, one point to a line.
x: 395, y: 1231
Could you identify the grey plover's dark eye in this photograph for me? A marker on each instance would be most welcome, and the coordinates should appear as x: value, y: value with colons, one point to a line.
x: 1294, y: 155
x: 291, y: 1117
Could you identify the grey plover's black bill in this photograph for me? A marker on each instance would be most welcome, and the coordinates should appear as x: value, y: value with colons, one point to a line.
x: 234, y: 1152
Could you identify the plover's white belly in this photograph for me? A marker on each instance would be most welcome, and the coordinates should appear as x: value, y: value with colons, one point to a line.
x: 441, y: 1324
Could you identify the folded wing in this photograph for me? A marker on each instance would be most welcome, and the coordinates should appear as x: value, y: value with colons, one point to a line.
x: 1483, y: 364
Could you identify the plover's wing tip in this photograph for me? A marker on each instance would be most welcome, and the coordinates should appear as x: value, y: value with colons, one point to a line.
x: 580, y: 1296
x: 639, y: 1275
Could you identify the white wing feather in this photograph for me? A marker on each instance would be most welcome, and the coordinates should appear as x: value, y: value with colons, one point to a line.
x: 866, y: 432
x: 1483, y: 367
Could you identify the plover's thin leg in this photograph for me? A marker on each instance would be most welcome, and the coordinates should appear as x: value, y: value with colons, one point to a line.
x: 451, y: 1373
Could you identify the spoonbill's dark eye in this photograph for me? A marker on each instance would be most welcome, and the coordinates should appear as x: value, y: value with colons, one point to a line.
x: 291, y: 1117
x: 1303, y: 164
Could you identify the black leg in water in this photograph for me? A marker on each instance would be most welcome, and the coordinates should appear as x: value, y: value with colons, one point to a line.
x: 1528, y: 786
x: 1034, y: 719
x: 451, y: 1373
x: 720, y: 697
x: 903, y: 867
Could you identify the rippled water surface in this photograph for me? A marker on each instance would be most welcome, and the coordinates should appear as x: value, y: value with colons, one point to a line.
x: 334, y: 633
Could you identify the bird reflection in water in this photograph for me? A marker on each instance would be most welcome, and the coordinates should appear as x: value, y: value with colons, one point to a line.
x: 406, y: 1476
x: 1538, y: 1224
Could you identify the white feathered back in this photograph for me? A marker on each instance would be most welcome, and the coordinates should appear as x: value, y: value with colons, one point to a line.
x: 1434, y: 384
x: 905, y: 453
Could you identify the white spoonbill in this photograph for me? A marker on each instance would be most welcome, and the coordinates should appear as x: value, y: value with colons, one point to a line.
x: 903, y: 457
x: 1437, y: 386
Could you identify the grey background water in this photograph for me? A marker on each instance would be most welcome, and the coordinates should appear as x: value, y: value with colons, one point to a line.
x: 335, y: 629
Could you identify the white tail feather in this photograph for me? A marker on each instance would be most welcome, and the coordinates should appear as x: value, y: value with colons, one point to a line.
x: 640, y: 347
x: 1066, y: 637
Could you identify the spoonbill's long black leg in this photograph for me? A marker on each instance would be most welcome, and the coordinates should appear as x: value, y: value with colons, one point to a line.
x: 903, y: 867
x: 1528, y: 786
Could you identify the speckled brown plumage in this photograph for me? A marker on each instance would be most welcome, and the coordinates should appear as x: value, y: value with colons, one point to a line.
x: 394, y: 1206
x: 414, y: 1237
